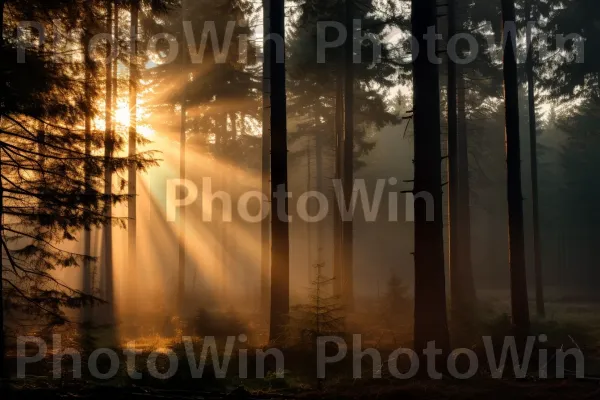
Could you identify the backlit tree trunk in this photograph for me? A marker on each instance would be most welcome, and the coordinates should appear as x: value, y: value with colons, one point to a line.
x: 265, y: 231
x: 87, y: 283
x: 132, y: 173
x: 454, y: 220
x: 430, y: 282
x: 462, y: 293
x: 537, y: 247
x: 182, y: 170
x: 348, y: 170
x: 280, y: 250
x: 518, y: 278
x: 108, y: 150
x: 337, y: 217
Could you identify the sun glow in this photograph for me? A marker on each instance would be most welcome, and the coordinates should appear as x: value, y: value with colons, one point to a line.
x: 122, y: 117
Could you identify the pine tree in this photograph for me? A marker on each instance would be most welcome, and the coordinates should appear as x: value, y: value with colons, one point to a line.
x: 280, y: 247
x: 52, y: 168
x: 109, y: 137
x: 537, y: 247
x: 265, y: 257
x: 323, y: 315
x: 430, y: 286
x: 182, y: 167
x: 462, y: 288
x: 518, y: 278
x: 348, y: 158
x: 318, y: 101
x: 219, y: 94
x: 134, y: 74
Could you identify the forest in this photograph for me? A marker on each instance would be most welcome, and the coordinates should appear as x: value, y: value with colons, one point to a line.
x: 316, y: 199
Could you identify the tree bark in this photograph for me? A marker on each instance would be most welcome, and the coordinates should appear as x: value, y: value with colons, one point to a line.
x: 537, y: 247
x: 462, y: 291
x: 182, y: 171
x: 456, y: 298
x: 518, y: 278
x: 132, y: 172
x: 265, y: 232
x: 280, y: 273
x: 309, y: 255
x: 87, y: 283
x: 464, y: 199
x: 430, y: 285
x: 319, y: 187
x: 108, y: 150
x: 115, y: 67
x: 348, y: 180
x: 337, y: 217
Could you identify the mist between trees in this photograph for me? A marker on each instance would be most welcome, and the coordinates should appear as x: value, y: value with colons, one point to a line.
x: 254, y: 206
x: 166, y: 171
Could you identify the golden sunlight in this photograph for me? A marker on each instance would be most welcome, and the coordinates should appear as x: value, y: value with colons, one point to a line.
x: 121, y: 117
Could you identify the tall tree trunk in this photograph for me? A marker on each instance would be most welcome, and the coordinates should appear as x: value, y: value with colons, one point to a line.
x: 87, y: 233
x: 348, y: 181
x: 225, y: 182
x: 182, y: 171
x: 265, y: 232
x: 115, y: 87
x: 518, y: 278
x: 537, y: 247
x: 3, y: 371
x: 221, y: 157
x: 337, y: 217
x: 464, y: 198
x: 309, y: 256
x: 462, y: 293
x: 430, y: 282
x: 280, y: 250
x: 108, y: 150
x: 456, y: 300
x: 319, y: 188
x: 132, y: 173
x: 115, y: 67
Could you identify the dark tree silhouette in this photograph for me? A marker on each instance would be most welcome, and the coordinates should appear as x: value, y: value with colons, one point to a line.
x: 182, y: 169
x: 317, y: 99
x: 453, y: 184
x: 462, y: 290
x: 265, y: 232
x: 537, y: 246
x: 134, y: 77
x: 348, y: 161
x: 518, y: 277
x: 109, y: 138
x: 52, y: 172
x: 280, y: 248
x: 430, y: 287
x: 87, y: 283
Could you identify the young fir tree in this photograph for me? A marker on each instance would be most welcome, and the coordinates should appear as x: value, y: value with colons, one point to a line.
x: 323, y: 315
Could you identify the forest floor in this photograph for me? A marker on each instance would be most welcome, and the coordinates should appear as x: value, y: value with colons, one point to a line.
x: 475, y: 389
x: 570, y: 322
